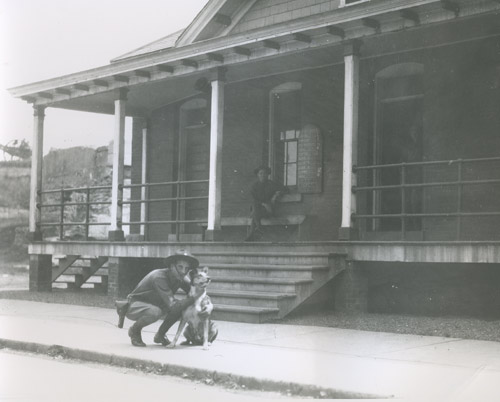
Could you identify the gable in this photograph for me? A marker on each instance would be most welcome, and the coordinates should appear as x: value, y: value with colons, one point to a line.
x: 160, y: 44
x: 270, y: 12
x: 226, y: 17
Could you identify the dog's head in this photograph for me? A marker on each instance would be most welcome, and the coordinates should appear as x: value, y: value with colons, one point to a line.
x: 199, y: 277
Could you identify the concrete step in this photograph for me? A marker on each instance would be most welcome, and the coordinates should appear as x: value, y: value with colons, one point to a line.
x: 275, y: 285
x: 244, y: 314
x: 265, y: 270
x: 273, y: 258
x: 248, y: 298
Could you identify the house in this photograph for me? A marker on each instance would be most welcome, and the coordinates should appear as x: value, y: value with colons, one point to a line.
x: 382, y: 117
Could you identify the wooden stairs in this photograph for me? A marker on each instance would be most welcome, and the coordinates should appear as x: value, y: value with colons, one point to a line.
x: 76, y: 271
x: 262, y: 286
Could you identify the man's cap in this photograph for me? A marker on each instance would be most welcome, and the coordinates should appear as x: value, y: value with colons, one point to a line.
x: 184, y: 255
x: 266, y: 169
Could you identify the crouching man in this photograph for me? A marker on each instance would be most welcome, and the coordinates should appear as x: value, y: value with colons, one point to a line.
x: 153, y: 298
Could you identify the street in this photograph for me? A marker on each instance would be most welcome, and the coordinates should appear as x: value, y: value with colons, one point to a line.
x: 28, y: 377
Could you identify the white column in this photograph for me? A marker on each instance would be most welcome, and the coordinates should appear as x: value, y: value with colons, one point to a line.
x: 36, y: 171
x: 144, y: 174
x: 351, y: 100
x: 118, y: 155
x: 216, y: 133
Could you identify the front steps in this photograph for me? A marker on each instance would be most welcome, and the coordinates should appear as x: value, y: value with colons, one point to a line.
x: 259, y: 286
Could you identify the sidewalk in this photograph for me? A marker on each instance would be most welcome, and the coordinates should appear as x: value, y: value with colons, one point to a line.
x: 336, y: 362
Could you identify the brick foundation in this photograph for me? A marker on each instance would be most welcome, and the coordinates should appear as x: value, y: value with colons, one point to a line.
x: 40, y: 273
x: 125, y: 273
x: 351, y: 290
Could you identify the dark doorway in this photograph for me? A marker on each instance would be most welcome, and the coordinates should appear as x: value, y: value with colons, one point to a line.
x: 399, y: 116
x: 195, y: 154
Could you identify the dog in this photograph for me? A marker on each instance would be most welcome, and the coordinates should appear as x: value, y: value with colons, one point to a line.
x: 200, y: 329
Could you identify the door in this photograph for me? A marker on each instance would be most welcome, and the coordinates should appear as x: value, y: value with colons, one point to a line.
x: 195, y: 156
x: 399, y: 139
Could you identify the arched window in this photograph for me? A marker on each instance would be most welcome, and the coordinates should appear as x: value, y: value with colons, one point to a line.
x: 284, y: 131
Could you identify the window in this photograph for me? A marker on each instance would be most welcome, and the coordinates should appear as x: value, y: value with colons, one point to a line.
x: 285, y: 126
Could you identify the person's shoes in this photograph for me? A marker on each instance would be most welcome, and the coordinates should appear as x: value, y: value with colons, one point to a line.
x: 135, y: 337
x: 161, y: 339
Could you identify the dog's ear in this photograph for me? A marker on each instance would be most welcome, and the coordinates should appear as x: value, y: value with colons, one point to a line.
x: 204, y: 270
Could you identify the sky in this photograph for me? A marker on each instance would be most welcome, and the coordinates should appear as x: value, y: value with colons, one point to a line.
x: 42, y: 39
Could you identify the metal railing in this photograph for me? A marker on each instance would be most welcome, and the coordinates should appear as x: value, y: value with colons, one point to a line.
x: 178, y: 204
x: 63, y: 204
x: 403, y: 186
x: 178, y: 201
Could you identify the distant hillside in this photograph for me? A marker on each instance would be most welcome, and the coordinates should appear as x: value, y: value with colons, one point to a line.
x: 15, y: 184
x: 76, y: 167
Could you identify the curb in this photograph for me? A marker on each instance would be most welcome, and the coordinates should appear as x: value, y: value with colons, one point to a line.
x: 208, y: 377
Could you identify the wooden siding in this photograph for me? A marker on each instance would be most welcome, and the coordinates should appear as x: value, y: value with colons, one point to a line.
x: 270, y: 12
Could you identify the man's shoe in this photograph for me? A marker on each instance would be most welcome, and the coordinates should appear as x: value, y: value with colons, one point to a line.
x: 135, y: 337
x: 161, y: 339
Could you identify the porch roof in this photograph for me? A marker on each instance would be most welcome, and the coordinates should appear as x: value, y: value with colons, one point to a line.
x: 254, y: 53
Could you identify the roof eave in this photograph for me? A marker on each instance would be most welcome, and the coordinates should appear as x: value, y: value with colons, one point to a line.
x: 202, y: 48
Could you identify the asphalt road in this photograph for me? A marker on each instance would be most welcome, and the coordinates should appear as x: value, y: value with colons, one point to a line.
x: 27, y: 377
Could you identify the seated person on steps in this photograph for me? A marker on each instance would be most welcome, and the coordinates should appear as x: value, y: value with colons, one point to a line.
x: 153, y: 298
x: 265, y: 193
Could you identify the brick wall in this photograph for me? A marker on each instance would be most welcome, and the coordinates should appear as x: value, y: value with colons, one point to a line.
x: 269, y: 12
x: 245, y: 147
x: 245, y: 144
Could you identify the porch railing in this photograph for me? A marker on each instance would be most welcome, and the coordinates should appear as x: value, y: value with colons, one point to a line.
x: 65, y: 201
x: 460, y: 183
x: 178, y: 202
